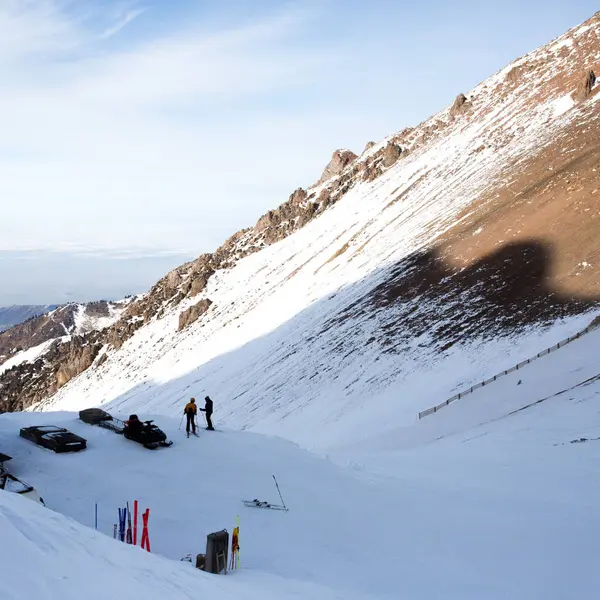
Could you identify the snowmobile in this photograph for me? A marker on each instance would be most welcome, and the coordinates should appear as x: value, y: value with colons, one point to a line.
x: 149, y: 435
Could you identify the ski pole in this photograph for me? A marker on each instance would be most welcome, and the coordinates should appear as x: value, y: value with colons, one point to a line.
x: 282, y: 502
x: 129, y: 532
x: 181, y: 422
x: 135, y: 521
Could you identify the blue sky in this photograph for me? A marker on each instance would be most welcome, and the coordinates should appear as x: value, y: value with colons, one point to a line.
x: 163, y: 127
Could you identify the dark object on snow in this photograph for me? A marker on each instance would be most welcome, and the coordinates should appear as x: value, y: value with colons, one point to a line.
x: 261, y: 504
x: 9, y: 483
x: 208, y: 411
x: 200, y: 561
x: 97, y: 416
x: 217, y: 548
x: 54, y: 438
x: 256, y: 503
x: 3, y: 459
x: 146, y: 433
x: 519, y: 382
x: 190, y: 411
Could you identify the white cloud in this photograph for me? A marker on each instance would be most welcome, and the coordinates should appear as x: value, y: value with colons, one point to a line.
x: 124, y: 20
x: 150, y: 144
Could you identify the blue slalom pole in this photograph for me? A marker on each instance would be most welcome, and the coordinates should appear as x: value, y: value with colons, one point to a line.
x: 96, y: 517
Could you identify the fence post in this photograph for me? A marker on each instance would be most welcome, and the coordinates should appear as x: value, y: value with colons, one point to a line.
x: 507, y: 371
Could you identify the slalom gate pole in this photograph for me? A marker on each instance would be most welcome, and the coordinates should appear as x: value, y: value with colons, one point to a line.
x: 135, y: 521
x: 145, y: 538
x: 122, y: 523
x: 282, y: 502
x: 96, y: 516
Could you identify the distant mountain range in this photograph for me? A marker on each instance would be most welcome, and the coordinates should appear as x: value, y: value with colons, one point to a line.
x: 13, y: 315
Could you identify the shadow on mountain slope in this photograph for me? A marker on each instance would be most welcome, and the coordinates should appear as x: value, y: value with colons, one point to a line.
x: 322, y: 368
x: 498, y: 294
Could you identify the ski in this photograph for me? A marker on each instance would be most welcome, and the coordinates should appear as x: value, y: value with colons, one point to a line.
x: 260, y: 504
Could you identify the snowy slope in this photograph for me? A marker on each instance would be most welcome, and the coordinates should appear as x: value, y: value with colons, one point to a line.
x: 30, y: 355
x: 289, y: 345
x: 481, y: 500
x: 54, y: 558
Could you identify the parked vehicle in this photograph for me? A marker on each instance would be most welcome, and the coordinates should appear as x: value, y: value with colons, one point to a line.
x: 3, y: 458
x: 9, y: 483
x: 145, y: 433
x: 54, y: 438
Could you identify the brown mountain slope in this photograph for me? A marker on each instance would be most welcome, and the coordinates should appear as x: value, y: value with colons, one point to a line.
x: 536, y: 198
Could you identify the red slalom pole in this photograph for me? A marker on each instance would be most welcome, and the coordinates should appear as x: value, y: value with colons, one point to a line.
x: 145, y: 538
x: 135, y: 520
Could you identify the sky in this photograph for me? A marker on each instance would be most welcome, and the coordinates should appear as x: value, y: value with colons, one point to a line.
x: 153, y: 130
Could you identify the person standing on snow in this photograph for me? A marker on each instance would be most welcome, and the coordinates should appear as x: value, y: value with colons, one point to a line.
x: 208, y: 411
x: 190, y: 411
x: 133, y: 424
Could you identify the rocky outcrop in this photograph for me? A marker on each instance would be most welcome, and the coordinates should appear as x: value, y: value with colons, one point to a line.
x: 29, y: 383
x: 52, y: 325
x: 193, y: 313
x: 460, y: 104
x: 585, y: 87
x: 339, y: 161
x: 78, y: 357
x: 391, y: 154
x: 368, y: 146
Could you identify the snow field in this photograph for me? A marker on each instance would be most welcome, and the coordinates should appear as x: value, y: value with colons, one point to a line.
x: 479, y: 500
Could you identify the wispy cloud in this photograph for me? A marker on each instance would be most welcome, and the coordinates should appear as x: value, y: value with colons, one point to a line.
x: 124, y: 20
x: 118, y: 146
x: 120, y: 130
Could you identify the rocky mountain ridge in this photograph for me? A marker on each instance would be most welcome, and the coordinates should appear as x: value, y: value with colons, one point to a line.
x: 16, y: 314
x: 61, y: 323
x: 493, y: 145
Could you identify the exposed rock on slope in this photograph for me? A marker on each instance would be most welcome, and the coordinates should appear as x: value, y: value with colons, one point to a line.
x: 67, y: 320
x: 585, y: 87
x: 460, y: 104
x: 193, y: 313
x: 339, y: 161
x: 391, y: 154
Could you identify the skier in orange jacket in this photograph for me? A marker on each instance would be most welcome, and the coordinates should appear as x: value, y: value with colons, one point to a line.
x: 190, y: 411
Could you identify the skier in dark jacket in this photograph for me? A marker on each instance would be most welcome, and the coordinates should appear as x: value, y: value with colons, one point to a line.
x: 208, y: 411
x: 190, y: 411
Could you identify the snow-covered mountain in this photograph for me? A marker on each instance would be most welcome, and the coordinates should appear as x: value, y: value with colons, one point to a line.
x: 47, y: 332
x: 13, y: 315
x: 437, y: 257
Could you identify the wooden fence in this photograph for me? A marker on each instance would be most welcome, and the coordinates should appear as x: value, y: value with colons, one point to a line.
x: 470, y: 390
